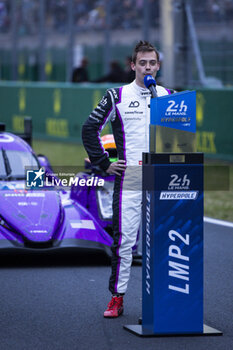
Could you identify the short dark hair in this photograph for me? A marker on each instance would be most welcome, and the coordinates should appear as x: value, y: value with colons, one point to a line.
x: 144, y: 46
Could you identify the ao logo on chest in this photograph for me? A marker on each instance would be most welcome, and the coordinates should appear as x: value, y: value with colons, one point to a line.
x: 134, y: 104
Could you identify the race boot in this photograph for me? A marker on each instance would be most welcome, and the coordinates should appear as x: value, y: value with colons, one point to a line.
x: 115, y: 307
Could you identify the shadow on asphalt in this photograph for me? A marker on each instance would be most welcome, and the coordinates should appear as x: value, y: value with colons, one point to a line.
x: 50, y: 259
x: 65, y: 258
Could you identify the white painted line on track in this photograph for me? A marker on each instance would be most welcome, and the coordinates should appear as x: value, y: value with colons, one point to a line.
x: 218, y: 222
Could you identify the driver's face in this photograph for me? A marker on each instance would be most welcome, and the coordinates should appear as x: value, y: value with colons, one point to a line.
x: 146, y: 63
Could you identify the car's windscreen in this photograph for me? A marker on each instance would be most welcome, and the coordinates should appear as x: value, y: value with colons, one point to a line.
x: 13, y: 163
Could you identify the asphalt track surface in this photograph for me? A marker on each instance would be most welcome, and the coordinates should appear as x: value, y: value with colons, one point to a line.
x: 58, y: 302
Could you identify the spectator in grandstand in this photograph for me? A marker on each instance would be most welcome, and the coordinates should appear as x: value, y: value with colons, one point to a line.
x: 4, y: 17
x: 29, y: 10
x: 130, y: 16
x: 80, y: 74
x: 60, y: 15
x: 81, y: 10
x: 97, y: 16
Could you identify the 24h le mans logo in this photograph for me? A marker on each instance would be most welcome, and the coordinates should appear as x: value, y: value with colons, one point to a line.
x: 35, y: 178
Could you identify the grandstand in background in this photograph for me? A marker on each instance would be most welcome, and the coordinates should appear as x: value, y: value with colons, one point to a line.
x: 42, y: 40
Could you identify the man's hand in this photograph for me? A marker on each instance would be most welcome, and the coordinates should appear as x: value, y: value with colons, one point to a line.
x: 116, y: 168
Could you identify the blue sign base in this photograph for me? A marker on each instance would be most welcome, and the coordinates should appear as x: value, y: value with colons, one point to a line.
x: 144, y: 332
x: 172, y: 267
x: 172, y: 226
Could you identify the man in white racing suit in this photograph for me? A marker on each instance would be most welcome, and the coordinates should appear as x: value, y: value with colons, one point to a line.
x: 128, y: 109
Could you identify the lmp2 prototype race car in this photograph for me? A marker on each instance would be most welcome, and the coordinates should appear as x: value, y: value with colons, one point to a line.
x: 41, y: 218
x: 49, y: 217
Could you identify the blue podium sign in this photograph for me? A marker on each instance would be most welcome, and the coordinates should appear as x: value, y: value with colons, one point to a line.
x: 177, y: 111
x: 173, y: 246
x: 173, y: 123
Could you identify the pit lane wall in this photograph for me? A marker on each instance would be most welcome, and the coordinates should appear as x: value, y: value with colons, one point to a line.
x: 59, y: 110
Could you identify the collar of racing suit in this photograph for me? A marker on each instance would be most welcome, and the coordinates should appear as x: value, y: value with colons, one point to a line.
x: 143, y: 92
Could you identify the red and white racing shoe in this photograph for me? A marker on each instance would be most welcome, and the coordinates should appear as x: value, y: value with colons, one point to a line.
x: 115, y: 307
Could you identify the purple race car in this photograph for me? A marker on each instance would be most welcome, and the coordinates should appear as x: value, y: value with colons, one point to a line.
x: 47, y: 219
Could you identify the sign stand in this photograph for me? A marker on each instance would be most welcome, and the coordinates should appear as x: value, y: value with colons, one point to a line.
x: 143, y: 332
x: 172, y: 225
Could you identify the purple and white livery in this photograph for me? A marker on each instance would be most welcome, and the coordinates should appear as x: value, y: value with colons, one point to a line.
x: 41, y: 219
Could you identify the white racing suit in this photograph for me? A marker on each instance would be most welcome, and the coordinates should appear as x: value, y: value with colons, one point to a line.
x: 128, y: 109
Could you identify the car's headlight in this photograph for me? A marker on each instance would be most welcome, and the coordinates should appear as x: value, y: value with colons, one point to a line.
x: 104, y: 197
